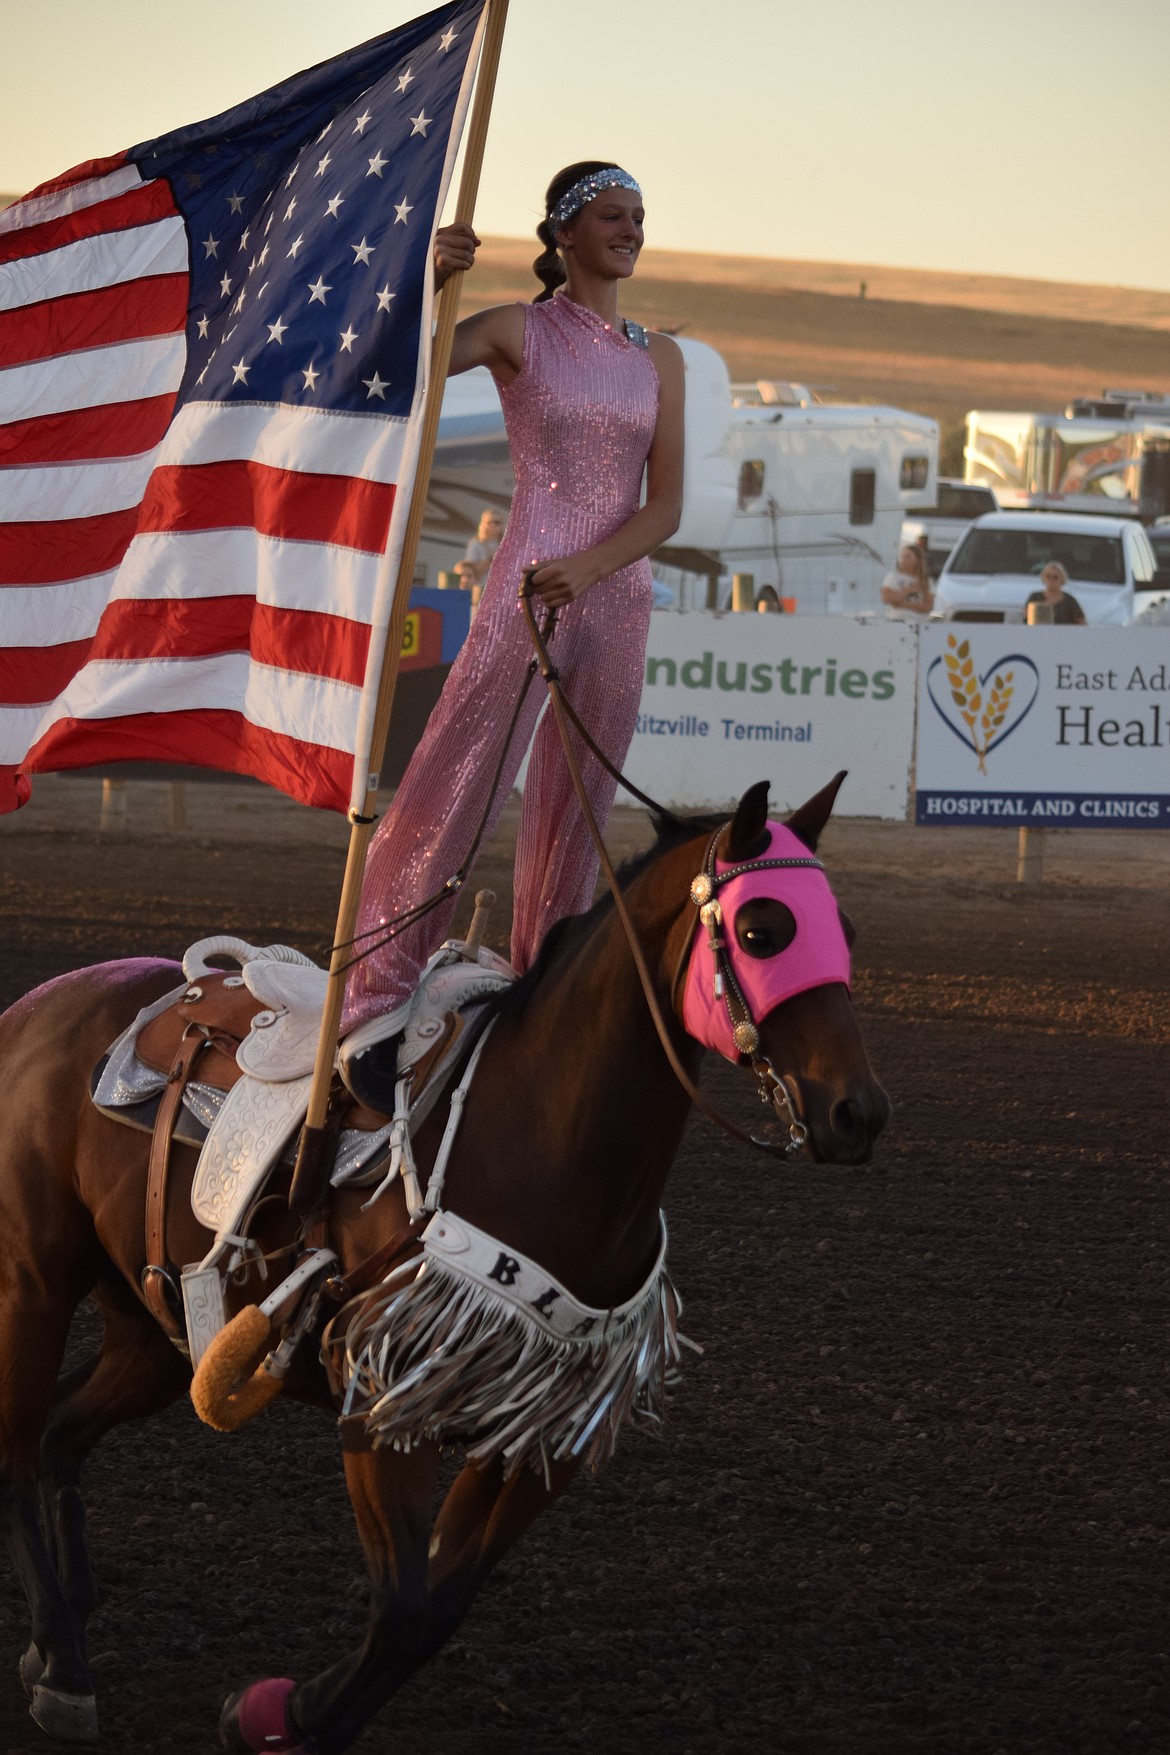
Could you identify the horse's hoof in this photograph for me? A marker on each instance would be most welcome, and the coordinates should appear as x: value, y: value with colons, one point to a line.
x: 72, y: 1717
x: 256, y: 1719
x: 32, y: 1668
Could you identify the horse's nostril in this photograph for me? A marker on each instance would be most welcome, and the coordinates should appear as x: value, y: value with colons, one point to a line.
x: 856, y: 1124
x: 848, y: 1122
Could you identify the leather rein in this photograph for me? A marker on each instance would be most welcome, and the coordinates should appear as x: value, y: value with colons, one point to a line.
x: 773, y: 1088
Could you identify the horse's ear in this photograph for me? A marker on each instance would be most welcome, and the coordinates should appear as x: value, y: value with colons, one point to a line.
x: 809, y: 820
x: 747, y: 833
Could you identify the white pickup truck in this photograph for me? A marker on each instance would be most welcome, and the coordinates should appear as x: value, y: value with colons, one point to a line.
x: 995, y: 567
x: 958, y: 503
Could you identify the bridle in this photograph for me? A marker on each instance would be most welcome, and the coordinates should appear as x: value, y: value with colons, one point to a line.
x: 771, y: 1086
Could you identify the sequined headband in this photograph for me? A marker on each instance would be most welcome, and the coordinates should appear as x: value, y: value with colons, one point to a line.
x: 587, y: 189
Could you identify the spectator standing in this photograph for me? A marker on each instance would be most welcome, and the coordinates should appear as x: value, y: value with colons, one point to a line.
x: 473, y: 568
x: 1066, y: 611
x: 906, y: 593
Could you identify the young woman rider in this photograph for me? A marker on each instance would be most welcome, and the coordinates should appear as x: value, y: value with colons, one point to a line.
x: 590, y: 403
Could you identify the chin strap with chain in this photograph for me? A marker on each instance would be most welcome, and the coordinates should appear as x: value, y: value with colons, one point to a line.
x: 773, y: 1087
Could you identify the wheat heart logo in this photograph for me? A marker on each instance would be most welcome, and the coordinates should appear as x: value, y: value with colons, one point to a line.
x: 981, y: 710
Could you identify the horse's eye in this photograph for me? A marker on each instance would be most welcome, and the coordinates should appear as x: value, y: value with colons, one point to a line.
x: 764, y: 927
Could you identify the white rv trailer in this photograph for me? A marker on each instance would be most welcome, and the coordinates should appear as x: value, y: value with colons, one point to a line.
x: 1108, y: 454
x: 820, y: 494
x: 804, y: 497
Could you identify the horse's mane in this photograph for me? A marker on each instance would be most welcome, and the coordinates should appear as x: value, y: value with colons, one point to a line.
x: 563, y: 940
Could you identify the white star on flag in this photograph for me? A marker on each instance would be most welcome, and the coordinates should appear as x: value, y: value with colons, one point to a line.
x: 318, y: 289
x: 384, y: 298
x: 240, y: 372
x: 296, y: 244
x: 332, y: 206
x: 401, y: 211
x: 236, y: 202
x: 362, y: 253
x: 348, y: 337
x: 404, y: 80
x: 327, y: 160
x: 421, y: 123
x: 311, y: 378
x: 211, y: 245
x: 377, y: 165
x: 276, y: 330
x: 377, y: 386
x: 447, y: 39
x: 363, y: 122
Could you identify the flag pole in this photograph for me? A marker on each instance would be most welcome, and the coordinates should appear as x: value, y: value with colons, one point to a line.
x: 311, y: 1167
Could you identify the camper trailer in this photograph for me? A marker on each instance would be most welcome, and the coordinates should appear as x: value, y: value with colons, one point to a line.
x: 803, y: 497
x: 1108, y: 454
x: 820, y: 494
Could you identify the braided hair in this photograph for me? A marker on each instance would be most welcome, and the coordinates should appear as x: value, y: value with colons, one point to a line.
x: 548, y: 267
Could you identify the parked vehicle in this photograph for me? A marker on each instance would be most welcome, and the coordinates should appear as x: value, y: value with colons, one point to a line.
x: 996, y: 566
x: 1110, y: 454
x: 806, y: 498
x: 820, y: 492
x: 1159, y: 535
x: 957, y: 504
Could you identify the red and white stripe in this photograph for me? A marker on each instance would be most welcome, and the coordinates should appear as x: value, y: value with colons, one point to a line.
x: 198, y: 588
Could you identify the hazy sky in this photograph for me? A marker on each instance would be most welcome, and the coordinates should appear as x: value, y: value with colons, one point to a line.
x: 1006, y: 136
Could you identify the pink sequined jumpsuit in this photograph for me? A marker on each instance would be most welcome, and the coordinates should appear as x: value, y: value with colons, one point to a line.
x: 580, y: 415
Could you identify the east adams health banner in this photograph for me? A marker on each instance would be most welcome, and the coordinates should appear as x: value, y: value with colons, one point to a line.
x: 1050, y: 726
x: 732, y: 699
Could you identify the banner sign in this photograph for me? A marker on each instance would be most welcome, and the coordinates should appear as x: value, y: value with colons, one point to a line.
x: 735, y: 698
x: 1067, y: 727
x: 435, y: 628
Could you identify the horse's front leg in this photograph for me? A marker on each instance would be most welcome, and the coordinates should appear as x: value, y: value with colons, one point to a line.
x: 393, y: 1499
x: 482, y: 1517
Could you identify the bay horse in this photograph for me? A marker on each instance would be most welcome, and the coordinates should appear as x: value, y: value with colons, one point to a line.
x: 568, y: 1135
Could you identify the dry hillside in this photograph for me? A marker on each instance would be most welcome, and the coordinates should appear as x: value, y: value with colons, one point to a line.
x: 939, y: 343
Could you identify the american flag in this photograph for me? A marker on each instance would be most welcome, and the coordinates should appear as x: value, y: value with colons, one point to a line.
x: 212, y: 350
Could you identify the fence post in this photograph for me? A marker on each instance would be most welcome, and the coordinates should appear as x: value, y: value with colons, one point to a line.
x: 115, y: 805
x: 743, y: 591
x: 1030, y: 863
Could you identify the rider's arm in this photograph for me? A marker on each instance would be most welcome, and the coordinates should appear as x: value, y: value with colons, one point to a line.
x: 492, y: 338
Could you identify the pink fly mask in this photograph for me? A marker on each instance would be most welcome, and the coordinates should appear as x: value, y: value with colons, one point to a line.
x: 728, y: 991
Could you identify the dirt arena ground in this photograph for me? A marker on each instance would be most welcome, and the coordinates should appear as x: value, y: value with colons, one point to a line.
x: 913, y: 1497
